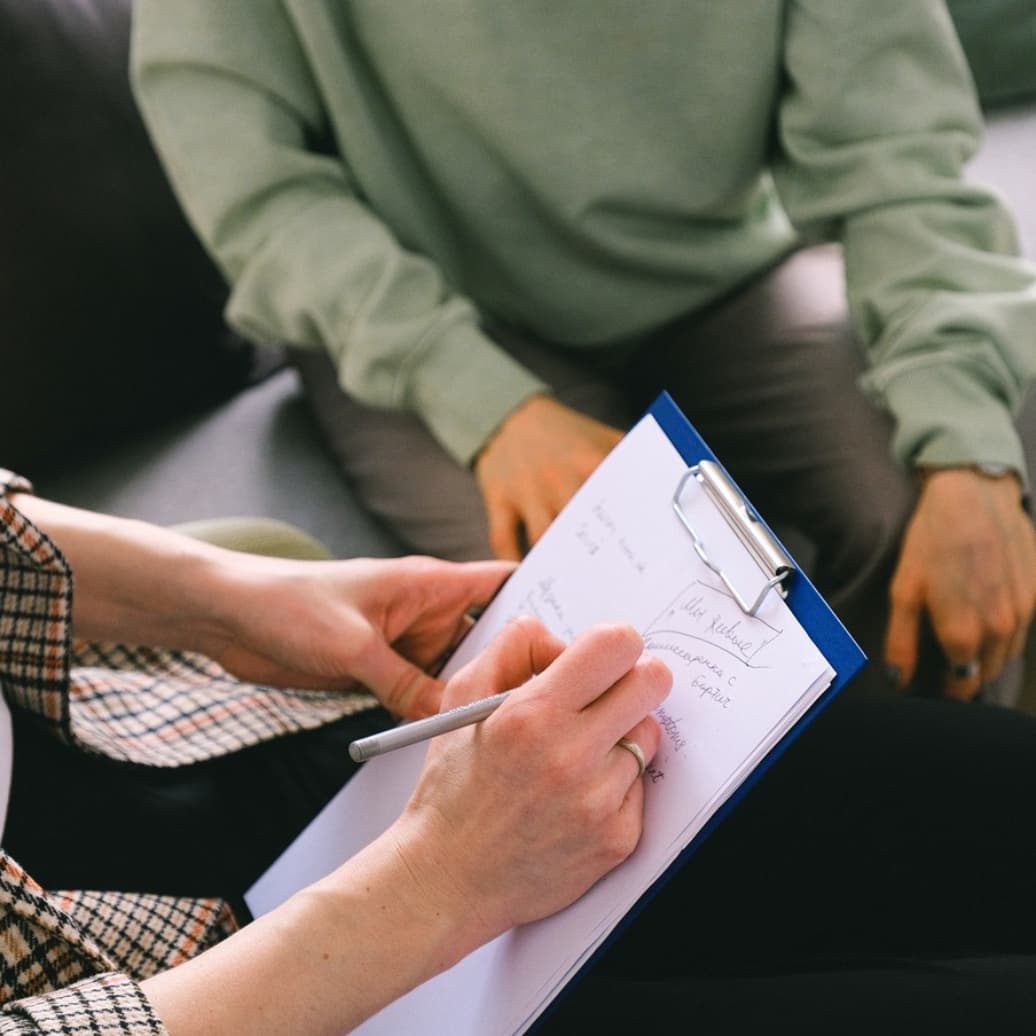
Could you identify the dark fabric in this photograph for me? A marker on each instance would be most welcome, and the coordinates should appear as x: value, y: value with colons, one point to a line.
x: 110, y: 312
x: 999, y: 39
x: 78, y: 821
x: 877, y: 879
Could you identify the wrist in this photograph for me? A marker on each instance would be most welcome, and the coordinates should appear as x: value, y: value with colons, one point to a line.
x: 516, y: 416
x: 431, y: 882
x: 325, y: 960
x: 395, y: 885
x: 989, y: 470
x: 181, y: 600
x: 1000, y: 479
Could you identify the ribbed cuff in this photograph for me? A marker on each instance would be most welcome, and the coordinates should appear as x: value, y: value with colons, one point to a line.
x: 946, y: 417
x: 464, y: 385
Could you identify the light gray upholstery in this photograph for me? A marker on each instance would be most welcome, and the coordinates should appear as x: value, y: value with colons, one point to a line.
x: 257, y: 455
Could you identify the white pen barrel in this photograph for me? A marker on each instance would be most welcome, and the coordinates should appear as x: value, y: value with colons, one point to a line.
x: 423, y: 729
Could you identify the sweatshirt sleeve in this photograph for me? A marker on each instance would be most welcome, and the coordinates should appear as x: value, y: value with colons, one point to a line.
x: 876, y: 122
x: 233, y: 110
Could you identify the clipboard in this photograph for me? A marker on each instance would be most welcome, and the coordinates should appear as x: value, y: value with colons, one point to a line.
x: 644, y: 488
x: 783, y: 576
x: 808, y: 606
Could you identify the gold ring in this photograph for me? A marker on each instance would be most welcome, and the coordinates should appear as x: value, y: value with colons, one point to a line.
x: 636, y: 751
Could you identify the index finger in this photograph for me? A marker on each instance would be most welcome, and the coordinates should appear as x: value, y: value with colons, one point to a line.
x: 522, y: 649
x: 901, y: 639
x: 598, y: 658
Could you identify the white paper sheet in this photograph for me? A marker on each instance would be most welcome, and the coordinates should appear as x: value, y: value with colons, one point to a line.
x: 618, y: 552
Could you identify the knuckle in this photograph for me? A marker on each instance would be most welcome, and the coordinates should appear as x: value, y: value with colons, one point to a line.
x: 649, y: 736
x: 1002, y: 622
x: 418, y: 561
x: 903, y: 592
x: 623, y: 839
x: 499, y: 539
x: 618, y: 637
x: 658, y: 675
x: 522, y: 728
x: 597, y: 809
x: 524, y: 625
x: 960, y: 639
x: 560, y: 770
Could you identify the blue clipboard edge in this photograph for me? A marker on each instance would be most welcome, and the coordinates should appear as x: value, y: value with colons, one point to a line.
x: 825, y: 629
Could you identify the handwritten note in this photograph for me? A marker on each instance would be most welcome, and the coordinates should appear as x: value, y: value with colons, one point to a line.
x: 618, y: 552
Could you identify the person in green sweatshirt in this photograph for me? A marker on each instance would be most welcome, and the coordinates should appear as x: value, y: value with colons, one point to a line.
x: 494, y: 231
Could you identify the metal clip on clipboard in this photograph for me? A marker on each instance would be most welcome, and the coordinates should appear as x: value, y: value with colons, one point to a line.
x: 766, y: 551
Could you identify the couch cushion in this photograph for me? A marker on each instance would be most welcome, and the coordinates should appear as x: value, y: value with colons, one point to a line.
x: 259, y: 454
x: 110, y: 312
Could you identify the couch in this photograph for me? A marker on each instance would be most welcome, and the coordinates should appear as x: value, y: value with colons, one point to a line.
x: 123, y: 391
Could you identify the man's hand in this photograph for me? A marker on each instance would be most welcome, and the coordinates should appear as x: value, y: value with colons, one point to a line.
x: 528, y: 471
x: 969, y: 561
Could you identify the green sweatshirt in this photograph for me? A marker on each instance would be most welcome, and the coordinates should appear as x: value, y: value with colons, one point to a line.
x: 377, y: 177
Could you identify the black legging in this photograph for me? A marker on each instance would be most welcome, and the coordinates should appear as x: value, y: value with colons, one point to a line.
x: 209, y: 829
x: 878, y: 879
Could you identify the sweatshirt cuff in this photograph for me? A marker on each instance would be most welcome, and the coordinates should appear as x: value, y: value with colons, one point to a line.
x: 110, y: 1003
x: 946, y: 418
x: 464, y: 386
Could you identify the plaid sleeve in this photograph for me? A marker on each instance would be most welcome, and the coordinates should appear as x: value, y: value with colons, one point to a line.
x: 135, y: 704
x: 70, y: 961
x: 108, y: 1004
x: 12, y: 483
x: 35, y: 615
x: 144, y: 934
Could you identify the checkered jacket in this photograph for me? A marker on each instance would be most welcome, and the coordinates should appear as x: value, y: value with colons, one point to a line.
x: 70, y: 961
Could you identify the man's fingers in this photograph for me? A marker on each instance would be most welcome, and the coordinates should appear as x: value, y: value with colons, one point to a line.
x: 536, y: 521
x: 1019, y: 640
x: 901, y: 639
x: 504, y: 531
x: 961, y: 640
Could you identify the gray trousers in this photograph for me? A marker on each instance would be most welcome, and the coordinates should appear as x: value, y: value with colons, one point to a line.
x: 767, y: 376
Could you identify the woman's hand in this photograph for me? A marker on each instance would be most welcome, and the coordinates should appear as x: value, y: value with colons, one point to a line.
x: 305, y: 624
x: 516, y: 817
x: 512, y: 820
x: 379, y: 623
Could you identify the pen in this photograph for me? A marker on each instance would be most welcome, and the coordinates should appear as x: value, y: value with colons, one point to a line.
x: 423, y: 729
